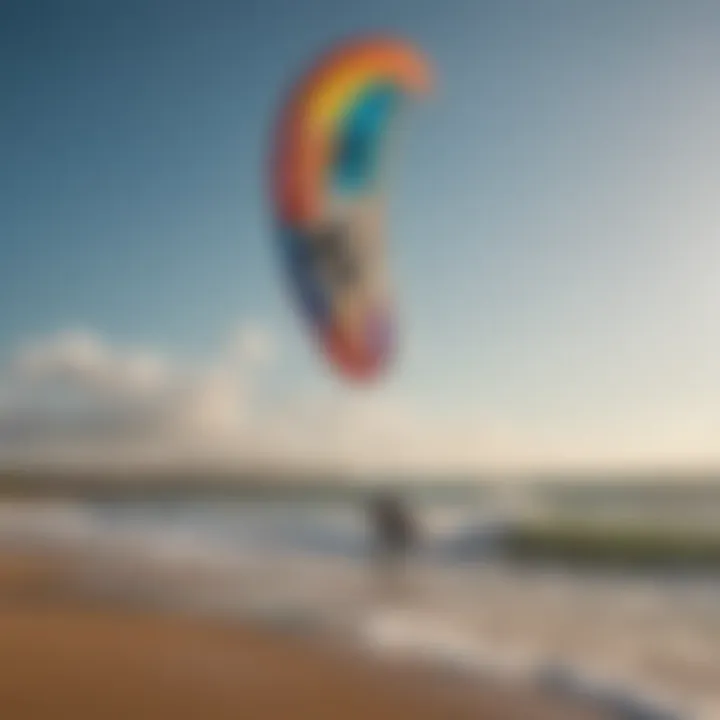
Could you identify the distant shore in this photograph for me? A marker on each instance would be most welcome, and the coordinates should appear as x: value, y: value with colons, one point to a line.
x: 180, y: 484
x: 202, y: 483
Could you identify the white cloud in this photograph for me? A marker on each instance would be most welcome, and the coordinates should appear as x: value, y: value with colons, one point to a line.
x: 74, y: 393
x: 76, y: 396
x: 80, y: 360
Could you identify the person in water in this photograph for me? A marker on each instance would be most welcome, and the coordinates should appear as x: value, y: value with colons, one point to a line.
x: 396, y: 537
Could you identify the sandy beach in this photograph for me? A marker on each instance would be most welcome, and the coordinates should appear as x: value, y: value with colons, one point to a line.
x: 67, y: 655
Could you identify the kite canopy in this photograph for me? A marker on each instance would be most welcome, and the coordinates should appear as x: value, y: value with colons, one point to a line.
x: 327, y: 199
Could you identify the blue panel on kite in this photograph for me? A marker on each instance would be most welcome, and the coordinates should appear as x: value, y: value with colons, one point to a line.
x: 360, y: 136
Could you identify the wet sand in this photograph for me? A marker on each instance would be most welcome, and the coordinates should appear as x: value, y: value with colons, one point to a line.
x: 64, y: 654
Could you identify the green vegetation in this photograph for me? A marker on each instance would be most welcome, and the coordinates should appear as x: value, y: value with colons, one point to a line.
x: 631, y: 546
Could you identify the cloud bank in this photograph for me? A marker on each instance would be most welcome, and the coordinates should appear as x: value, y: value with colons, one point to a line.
x: 74, y: 397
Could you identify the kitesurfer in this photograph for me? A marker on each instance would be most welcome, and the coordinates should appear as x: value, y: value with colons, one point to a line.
x: 396, y: 538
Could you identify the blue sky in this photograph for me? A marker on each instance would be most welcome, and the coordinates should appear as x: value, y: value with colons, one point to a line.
x: 554, y: 221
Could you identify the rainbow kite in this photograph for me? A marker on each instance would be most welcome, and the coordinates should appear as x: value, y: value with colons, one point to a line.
x: 327, y: 199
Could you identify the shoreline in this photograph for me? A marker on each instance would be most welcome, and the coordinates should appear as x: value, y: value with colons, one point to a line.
x: 520, y: 635
x: 68, y: 654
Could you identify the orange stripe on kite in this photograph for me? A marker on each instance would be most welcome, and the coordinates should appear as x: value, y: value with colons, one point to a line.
x: 309, y: 123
